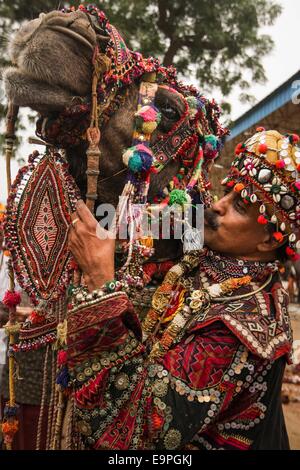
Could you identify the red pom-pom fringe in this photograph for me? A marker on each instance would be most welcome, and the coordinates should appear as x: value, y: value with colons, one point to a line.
x: 11, y: 299
x: 278, y: 237
x: 262, y: 148
x: 262, y: 220
x: 239, y: 148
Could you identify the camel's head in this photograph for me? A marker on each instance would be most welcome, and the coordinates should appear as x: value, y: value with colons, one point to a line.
x: 53, y: 60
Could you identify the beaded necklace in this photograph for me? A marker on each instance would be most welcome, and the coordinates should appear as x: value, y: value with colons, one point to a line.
x: 179, y: 306
x: 220, y: 267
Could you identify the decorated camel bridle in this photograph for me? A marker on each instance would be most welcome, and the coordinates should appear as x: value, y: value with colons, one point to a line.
x: 194, y: 140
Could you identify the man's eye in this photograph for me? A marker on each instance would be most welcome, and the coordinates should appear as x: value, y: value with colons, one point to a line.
x: 170, y: 113
x: 227, y: 191
x: 239, y: 205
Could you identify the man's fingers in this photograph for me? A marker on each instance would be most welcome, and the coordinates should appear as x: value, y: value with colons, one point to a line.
x: 85, y: 214
x: 75, y: 219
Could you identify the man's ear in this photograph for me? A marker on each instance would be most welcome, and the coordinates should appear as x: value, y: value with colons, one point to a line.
x: 269, y: 243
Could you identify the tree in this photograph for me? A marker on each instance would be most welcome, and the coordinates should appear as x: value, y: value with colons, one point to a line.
x: 218, y: 42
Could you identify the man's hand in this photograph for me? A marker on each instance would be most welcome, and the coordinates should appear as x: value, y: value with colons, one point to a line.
x: 92, y: 247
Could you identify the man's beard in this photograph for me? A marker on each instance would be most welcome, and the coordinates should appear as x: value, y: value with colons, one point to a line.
x: 211, y: 218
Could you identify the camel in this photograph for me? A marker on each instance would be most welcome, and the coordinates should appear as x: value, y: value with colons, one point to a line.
x: 52, y: 70
x: 55, y: 59
x: 53, y: 65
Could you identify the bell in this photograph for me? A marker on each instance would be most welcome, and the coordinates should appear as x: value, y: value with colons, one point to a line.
x: 287, y: 202
x: 264, y: 175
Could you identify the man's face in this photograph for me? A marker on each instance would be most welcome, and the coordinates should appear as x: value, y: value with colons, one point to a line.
x: 231, y: 227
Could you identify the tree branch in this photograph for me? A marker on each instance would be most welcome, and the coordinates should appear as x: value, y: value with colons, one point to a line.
x: 172, y: 50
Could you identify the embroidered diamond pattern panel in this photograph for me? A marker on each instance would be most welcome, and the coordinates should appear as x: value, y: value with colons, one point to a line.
x: 39, y: 207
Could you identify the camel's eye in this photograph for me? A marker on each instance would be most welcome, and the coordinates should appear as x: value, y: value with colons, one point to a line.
x: 170, y: 112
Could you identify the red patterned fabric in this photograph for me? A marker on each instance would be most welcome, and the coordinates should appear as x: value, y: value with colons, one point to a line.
x: 199, y: 396
x: 94, y: 330
x: 261, y: 322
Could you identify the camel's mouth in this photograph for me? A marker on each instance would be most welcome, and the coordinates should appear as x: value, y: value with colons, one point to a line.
x: 46, y: 98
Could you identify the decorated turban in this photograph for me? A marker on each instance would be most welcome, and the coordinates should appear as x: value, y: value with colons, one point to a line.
x: 266, y: 169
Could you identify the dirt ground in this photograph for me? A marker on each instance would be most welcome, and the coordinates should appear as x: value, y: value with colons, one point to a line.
x: 292, y: 410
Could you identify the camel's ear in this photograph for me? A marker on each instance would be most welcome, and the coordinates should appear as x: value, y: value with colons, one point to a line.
x: 76, y: 21
x: 102, y: 42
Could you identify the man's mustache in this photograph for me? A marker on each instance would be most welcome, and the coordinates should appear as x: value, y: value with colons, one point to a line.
x: 211, y: 219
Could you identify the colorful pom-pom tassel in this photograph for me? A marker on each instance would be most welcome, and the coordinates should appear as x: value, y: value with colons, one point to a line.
x: 147, y: 119
x: 63, y: 377
x: 239, y: 148
x: 260, y: 129
x: 135, y: 163
x: 138, y: 158
x: 280, y: 164
x: 179, y: 196
x: 262, y: 220
x: 239, y: 187
x: 62, y: 358
x: 11, y: 299
x: 262, y: 148
x: 192, y: 102
x: 211, y: 147
x: 212, y: 140
x: 278, y: 237
x: 294, y: 138
x: 36, y: 318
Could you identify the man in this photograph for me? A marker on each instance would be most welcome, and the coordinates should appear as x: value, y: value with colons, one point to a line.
x: 204, y: 370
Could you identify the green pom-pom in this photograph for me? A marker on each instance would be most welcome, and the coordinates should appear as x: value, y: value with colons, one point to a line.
x: 178, y: 196
x: 212, y: 140
x: 192, y: 102
x: 135, y: 163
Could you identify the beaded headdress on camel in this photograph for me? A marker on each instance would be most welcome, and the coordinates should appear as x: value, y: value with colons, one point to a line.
x: 44, y: 194
x: 267, y: 170
x: 195, y: 141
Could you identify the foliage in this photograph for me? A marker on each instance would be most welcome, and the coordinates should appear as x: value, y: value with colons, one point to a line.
x: 216, y: 42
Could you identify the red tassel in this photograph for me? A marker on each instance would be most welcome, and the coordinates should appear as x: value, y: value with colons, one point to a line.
x: 262, y: 220
x: 262, y: 148
x: 11, y: 299
x: 62, y: 358
x: 278, y: 237
x: 239, y: 148
x: 280, y: 164
x: 289, y: 251
x: 295, y: 138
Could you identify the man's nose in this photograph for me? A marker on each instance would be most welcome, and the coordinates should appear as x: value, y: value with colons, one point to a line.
x: 221, y: 205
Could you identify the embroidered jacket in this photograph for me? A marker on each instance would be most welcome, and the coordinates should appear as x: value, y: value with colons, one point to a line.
x: 218, y: 388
